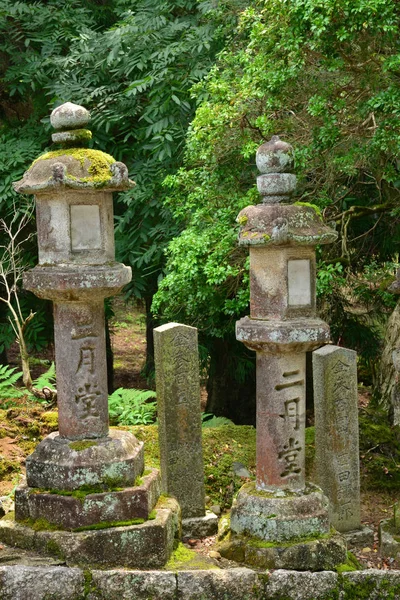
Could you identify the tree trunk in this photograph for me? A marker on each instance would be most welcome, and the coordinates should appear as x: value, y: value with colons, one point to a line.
x: 387, y: 374
x: 151, y: 323
x: 231, y: 395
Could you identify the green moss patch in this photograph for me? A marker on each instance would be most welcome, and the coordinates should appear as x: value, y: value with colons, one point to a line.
x: 81, y: 445
x: 99, y: 163
x: 109, y: 524
x: 183, y: 558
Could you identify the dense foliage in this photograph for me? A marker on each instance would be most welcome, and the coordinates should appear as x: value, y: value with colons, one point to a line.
x: 132, y: 64
x: 325, y: 76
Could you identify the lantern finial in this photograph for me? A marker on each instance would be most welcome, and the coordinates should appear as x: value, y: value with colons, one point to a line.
x: 70, y: 120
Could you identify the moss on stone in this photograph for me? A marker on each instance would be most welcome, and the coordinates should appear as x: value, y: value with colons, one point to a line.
x: 109, y: 524
x: 82, y: 445
x: 99, y: 168
x: 41, y: 525
x: 242, y: 220
x: 368, y: 588
x: 309, y: 205
x: 183, y: 558
x: 152, y: 515
x: 257, y: 543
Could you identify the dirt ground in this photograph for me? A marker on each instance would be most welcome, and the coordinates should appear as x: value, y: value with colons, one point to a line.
x: 129, y: 348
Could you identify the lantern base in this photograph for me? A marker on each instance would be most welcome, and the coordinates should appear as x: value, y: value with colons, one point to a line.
x: 85, y: 508
x: 145, y: 545
x: 105, y: 463
x: 282, y: 515
x: 282, y: 530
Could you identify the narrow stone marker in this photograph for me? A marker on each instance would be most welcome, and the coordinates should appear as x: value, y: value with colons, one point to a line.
x: 179, y: 422
x: 336, y: 433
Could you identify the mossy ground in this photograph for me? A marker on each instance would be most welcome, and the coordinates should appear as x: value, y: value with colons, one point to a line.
x: 184, y: 558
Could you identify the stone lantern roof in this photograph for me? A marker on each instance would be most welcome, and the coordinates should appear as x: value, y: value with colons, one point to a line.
x: 275, y: 221
x: 74, y: 166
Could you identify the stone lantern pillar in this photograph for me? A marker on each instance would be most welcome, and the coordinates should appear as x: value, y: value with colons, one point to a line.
x: 84, y: 476
x: 280, y: 507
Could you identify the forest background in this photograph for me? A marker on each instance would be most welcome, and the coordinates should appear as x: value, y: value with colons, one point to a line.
x: 184, y: 92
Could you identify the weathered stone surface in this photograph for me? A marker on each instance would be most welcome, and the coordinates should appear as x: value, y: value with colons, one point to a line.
x: 359, y: 538
x: 70, y: 512
x: 276, y: 187
x: 317, y: 555
x: 372, y: 585
x: 148, y: 545
x: 282, y: 290
x: 179, y: 416
x: 115, y: 461
x: 199, y: 527
x: 80, y: 169
x: 279, y: 517
x: 80, y: 284
x: 41, y: 583
x: 281, y: 419
x: 120, y: 585
x: 336, y: 433
x: 389, y: 544
x: 234, y: 584
x: 275, y: 156
x: 291, y: 585
x: 281, y: 224
x: 68, y: 138
x: 69, y: 116
x: 277, y: 337
x: 75, y: 228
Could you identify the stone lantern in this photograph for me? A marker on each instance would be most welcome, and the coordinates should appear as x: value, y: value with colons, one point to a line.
x: 280, y: 507
x: 85, y: 476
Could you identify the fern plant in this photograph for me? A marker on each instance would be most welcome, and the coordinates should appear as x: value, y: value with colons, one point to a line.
x: 132, y: 407
x: 210, y: 420
x: 45, y: 383
x: 8, y: 378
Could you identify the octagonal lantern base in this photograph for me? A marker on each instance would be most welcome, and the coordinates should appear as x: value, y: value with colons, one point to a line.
x: 103, y: 463
x: 282, y: 515
x: 145, y: 545
x: 83, y: 509
x: 282, y: 530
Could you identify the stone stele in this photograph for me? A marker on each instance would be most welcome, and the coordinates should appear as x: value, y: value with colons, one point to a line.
x: 336, y: 433
x: 179, y: 424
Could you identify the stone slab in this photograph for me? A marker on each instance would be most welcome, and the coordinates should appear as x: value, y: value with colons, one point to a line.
x: 234, y: 584
x: 294, y: 335
x: 292, y: 585
x: 280, y: 516
x: 85, y: 283
x: 179, y: 416
x: 148, y: 545
x: 371, y: 585
x: 60, y: 583
x: 129, y: 585
x: 336, y: 433
x: 71, y: 512
x: 388, y: 545
x: 41, y: 583
x: 318, y: 555
x: 359, y: 538
x: 57, y: 463
x: 200, y: 527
